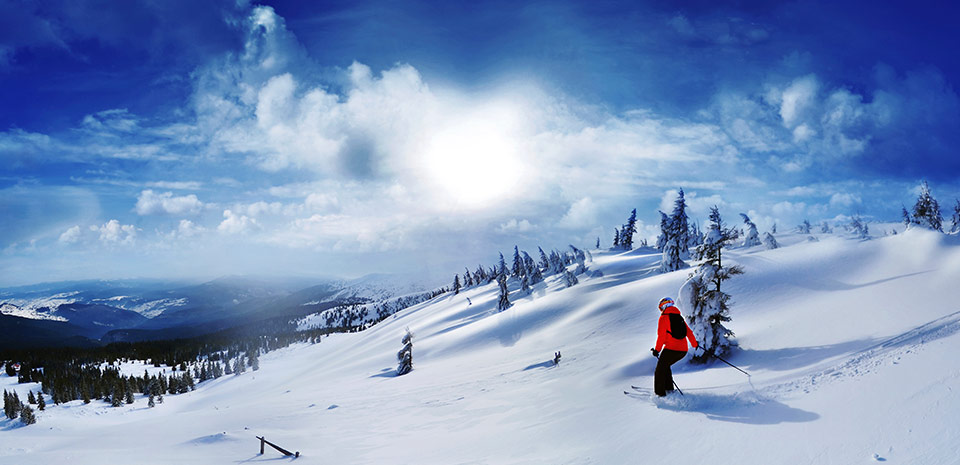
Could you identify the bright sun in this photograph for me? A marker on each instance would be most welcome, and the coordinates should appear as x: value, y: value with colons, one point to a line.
x: 475, y: 159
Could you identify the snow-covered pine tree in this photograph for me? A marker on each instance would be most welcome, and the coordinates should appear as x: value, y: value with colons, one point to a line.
x: 804, y: 228
x: 629, y: 229
x: 672, y: 256
x: 570, y: 279
x: 253, y: 356
x: 773, y: 230
x: 30, y: 398
x: 467, y: 278
x: 580, y: 258
x: 955, y: 228
x: 501, y: 267
x: 680, y: 224
x: 405, y: 356
x: 598, y: 243
x: 504, y: 302
x: 859, y: 227
x: 544, y: 261
x: 695, y: 237
x: 525, y: 284
x: 926, y: 212
x: 752, y: 237
x: 906, y: 217
x: 456, y: 284
x: 825, y: 228
x: 616, y: 238
x: 517, y: 269
x: 42, y: 404
x: 710, y: 306
x: 532, y: 270
x: 26, y: 415
x: 664, y: 227
x: 151, y: 401
x: 770, y: 242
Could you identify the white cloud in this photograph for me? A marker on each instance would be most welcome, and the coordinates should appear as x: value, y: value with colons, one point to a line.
x: 188, y: 228
x: 581, y: 215
x: 70, y: 236
x: 515, y: 226
x: 112, y: 232
x: 797, y: 99
x: 234, y: 223
x: 844, y: 200
x: 151, y: 203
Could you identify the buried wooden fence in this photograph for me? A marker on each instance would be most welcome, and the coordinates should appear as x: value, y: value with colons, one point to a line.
x: 278, y: 448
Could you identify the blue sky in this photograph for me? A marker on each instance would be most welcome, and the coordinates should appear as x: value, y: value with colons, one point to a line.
x: 197, y: 139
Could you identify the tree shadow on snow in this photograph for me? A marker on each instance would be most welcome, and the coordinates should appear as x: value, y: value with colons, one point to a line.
x: 547, y: 364
x: 386, y: 373
x: 735, y: 408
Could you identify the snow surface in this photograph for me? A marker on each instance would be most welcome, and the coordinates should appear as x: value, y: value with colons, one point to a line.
x: 851, y: 346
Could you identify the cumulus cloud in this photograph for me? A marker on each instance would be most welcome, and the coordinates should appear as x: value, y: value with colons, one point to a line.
x: 188, y: 228
x: 70, y: 236
x: 112, y: 232
x: 151, y: 203
x: 234, y: 223
x: 844, y: 200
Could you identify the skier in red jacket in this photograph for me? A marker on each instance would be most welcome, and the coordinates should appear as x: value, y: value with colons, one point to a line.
x: 672, y: 336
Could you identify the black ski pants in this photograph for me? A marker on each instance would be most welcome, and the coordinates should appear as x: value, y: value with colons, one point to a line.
x: 663, y: 377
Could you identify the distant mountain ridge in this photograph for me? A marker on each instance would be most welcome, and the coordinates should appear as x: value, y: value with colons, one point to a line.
x: 131, y: 310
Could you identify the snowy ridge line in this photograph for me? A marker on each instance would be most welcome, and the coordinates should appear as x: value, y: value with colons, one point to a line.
x: 870, y: 359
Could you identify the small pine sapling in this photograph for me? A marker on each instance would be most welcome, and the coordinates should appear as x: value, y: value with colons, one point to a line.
x: 405, y: 356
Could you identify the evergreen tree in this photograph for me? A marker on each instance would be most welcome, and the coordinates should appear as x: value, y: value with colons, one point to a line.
x: 679, y: 222
x: 504, y: 301
x: 405, y: 356
x: 26, y: 416
x: 630, y: 228
x: 456, y: 284
x: 544, y: 261
x: 501, y: 267
x: 695, y: 237
x: 227, y: 370
x: 773, y: 230
x: 8, y: 405
x: 151, y: 402
x: 675, y: 237
x: 42, y: 404
x: 752, y: 237
x: 128, y: 395
x: 956, y: 218
x: 598, y: 243
x: 859, y: 227
x: 30, y: 398
x: 926, y: 212
x: 770, y: 242
x: 664, y: 228
x: 616, y: 238
x: 825, y: 228
x: 253, y: 356
x: 116, y: 397
x: 804, y: 228
x: 517, y: 269
x: 906, y: 217
x: 524, y: 284
x: 160, y: 397
x: 710, y: 305
x: 467, y: 278
x: 570, y: 279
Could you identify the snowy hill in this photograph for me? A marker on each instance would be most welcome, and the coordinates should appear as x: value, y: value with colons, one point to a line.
x: 851, y: 347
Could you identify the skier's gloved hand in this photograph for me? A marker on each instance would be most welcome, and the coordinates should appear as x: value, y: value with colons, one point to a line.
x: 655, y: 353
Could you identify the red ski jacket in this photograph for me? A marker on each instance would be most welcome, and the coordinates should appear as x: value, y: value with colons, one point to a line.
x: 665, y: 339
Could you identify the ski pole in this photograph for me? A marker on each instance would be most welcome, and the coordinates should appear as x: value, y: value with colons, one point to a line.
x: 657, y: 356
x: 728, y: 363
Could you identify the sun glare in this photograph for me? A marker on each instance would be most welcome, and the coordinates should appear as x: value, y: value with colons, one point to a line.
x: 475, y: 160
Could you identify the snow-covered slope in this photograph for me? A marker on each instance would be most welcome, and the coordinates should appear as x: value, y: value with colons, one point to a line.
x: 851, y: 347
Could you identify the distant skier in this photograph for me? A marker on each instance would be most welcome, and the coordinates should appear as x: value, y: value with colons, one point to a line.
x: 672, y: 332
